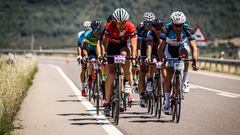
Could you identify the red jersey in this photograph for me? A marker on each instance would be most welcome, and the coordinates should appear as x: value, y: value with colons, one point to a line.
x: 115, y: 36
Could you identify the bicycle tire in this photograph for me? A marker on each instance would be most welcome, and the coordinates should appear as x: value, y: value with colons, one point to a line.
x: 97, y: 92
x: 178, y: 97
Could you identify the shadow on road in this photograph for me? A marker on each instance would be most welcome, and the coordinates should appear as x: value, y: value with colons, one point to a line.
x: 75, y: 114
x: 145, y: 121
x: 96, y: 119
x: 68, y: 100
x: 89, y: 123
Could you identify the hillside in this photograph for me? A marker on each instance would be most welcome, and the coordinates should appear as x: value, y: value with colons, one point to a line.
x: 55, y: 23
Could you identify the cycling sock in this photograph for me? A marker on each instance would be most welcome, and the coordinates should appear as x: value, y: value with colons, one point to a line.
x: 83, y: 86
x: 167, y: 99
x: 150, y: 79
x: 185, y: 76
x: 89, y: 78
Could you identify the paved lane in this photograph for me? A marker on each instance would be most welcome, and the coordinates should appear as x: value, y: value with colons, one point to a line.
x: 205, y: 110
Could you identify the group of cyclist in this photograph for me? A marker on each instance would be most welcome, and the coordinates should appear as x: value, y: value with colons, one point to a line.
x: 151, y: 40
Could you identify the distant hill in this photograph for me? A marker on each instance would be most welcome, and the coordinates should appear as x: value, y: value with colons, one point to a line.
x: 55, y: 23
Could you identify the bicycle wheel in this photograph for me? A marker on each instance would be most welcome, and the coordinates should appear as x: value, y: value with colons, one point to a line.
x: 156, y: 96
x: 124, y: 101
x: 97, y: 92
x: 161, y: 95
x: 150, y: 103
x: 117, y: 100
x: 176, y: 98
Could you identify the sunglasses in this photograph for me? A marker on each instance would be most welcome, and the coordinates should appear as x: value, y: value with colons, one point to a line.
x: 120, y: 22
x: 178, y: 25
x: 147, y: 23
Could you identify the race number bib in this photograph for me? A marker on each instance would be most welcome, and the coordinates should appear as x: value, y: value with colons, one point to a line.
x: 158, y: 65
x: 119, y: 59
x: 179, y: 66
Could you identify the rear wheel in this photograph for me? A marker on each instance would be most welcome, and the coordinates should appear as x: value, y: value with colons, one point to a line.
x: 97, y: 93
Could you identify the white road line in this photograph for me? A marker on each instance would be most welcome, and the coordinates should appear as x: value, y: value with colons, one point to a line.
x: 216, y: 75
x: 101, y: 119
x: 219, y: 92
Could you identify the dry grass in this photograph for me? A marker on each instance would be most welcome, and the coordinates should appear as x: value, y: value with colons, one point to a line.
x: 15, y: 79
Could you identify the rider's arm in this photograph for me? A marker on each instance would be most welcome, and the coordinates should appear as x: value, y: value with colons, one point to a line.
x: 98, y: 48
x: 161, y: 50
x: 139, y: 46
x: 104, y: 46
x: 79, y: 50
x: 84, y: 51
x: 162, y: 45
x: 149, y: 42
x: 194, y: 49
x: 134, y: 46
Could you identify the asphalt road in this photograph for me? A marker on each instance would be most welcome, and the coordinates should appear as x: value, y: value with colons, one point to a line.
x: 54, y: 106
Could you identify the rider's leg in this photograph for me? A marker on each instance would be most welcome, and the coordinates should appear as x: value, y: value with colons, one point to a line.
x: 90, y: 74
x: 82, y: 78
x: 167, y: 74
x: 127, y: 67
x: 109, y: 82
x: 184, y: 52
x: 142, y: 75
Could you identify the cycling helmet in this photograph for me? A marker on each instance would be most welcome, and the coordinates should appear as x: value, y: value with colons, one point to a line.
x: 96, y: 24
x: 149, y: 16
x: 87, y: 25
x: 158, y: 22
x: 120, y: 14
x: 178, y: 17
x: 110, y: 18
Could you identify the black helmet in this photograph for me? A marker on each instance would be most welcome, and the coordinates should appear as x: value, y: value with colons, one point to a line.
x: 110, y: 18
x: 96, y: 24
x: 158, y: 22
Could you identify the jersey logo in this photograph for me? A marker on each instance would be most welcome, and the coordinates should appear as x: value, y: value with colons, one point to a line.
x: 122, y: 33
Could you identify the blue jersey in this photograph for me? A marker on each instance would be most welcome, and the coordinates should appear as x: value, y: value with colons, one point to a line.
x: 142, y: 36
x: 92, y: 39
x: 80, y: 37
x: 170, y: 36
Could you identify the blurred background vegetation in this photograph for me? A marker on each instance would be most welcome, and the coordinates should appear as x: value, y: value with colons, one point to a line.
x: 55, y: 23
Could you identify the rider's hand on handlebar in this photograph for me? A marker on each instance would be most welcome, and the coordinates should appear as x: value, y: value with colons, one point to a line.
x: 194, y: 65
x: 147, y: 60
x: 85, y: 58
x: 79, y: 57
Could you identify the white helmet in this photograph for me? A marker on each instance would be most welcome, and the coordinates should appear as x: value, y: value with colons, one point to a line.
x: 87, y: 25
x: 120, y: 14
x: 178, y: 17
x: 149, y: 16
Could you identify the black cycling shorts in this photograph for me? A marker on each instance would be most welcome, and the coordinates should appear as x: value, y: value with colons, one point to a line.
x: 115, y: 49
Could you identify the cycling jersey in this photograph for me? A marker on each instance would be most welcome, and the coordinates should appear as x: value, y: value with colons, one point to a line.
x: 171, y: 38
x: 92, y: 39
x: 80, y: 37
x: 173, y: 46
x: 115, y: 36
x: 142, y: 36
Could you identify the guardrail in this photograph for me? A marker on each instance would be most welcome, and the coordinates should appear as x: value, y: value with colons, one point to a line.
x: 38, y: 52
x: 212, y: 64
x: 220, y: 65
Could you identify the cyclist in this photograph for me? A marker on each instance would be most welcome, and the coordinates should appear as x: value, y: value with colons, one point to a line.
x: 89, y: 43
x: 116, y: 35
x: 153, y: 42
x: 143, y: 50
x: 82, y: 52
x: 178, y: 40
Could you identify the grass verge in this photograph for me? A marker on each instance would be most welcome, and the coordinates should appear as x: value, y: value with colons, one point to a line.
x: 15, y: 80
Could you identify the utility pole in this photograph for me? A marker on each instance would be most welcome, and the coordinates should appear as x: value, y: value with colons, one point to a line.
x: 32, y: 42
